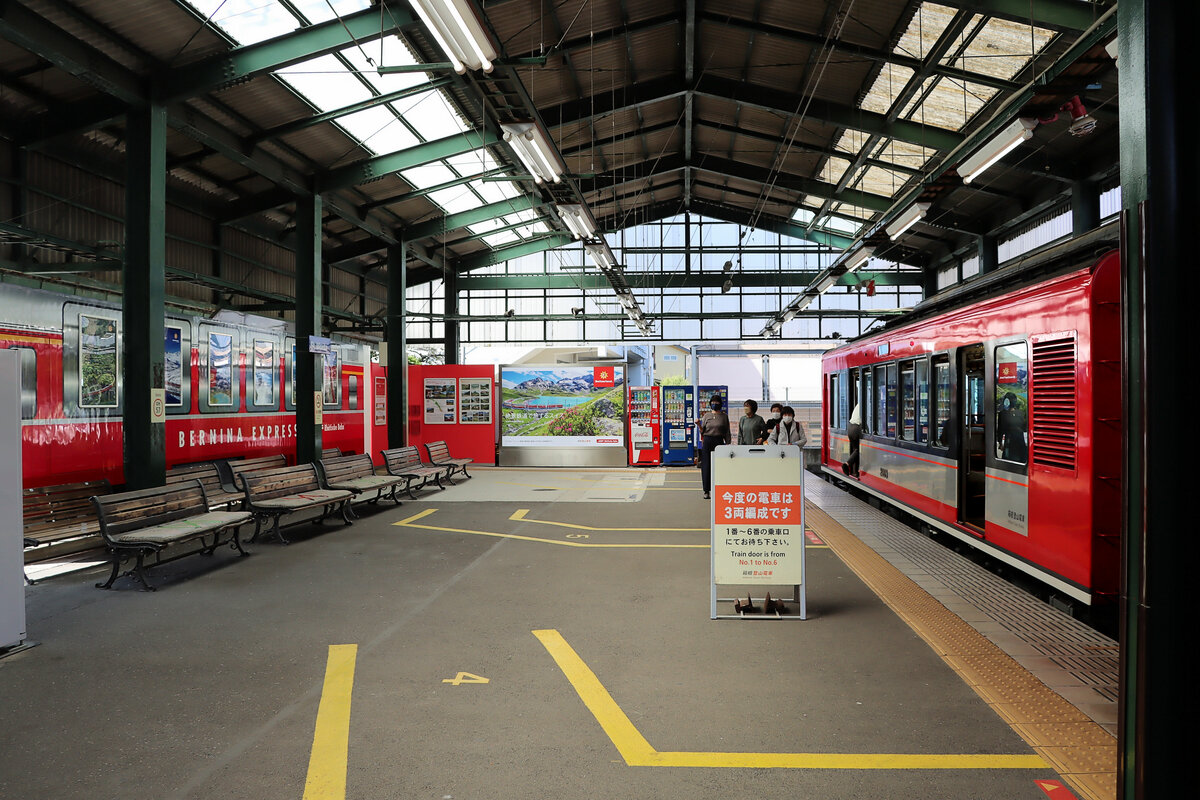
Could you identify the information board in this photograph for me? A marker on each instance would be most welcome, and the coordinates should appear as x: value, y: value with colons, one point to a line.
x: 758, y: 518
x: 475, y: 401
x: 441, y: 395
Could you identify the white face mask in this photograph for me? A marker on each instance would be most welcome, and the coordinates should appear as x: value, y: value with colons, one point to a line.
x: 776, y: 415
x: 788, y: 420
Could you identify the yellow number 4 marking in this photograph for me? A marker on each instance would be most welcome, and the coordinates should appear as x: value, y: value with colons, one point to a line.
x: 464, y: 677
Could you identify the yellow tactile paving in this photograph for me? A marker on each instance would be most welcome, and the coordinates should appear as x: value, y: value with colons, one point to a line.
x: 1080, y: 750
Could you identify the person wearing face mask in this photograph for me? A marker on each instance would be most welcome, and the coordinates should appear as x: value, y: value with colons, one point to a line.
x: 751, y: 428
x: 714, y: 432
x: 773, y: 418
x: 788, y: 431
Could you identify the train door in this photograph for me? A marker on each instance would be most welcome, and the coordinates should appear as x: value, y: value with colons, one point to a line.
x: 973, y: 455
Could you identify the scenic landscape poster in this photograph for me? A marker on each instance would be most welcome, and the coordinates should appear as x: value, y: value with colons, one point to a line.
x: 563, y: 406
x: 173, y: 366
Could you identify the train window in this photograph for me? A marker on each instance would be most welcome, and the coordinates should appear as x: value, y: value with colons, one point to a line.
x: 352, y: 392
x: 941, y: 401
x: 28, y: 359
x: 173, y: 366
x: 98, y: 367
x: 923, y: 401
x: 880, y: 400
x: 868, y: 406
x: 263, y: 393
x: 1012, y: 402
x: 220, y: 369
x: 891, y: 402
x: 834, y: 405
x: 331, y: 377
x: 908, y: 402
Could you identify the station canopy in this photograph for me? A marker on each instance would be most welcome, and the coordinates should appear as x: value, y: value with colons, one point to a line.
x: 827, y: 122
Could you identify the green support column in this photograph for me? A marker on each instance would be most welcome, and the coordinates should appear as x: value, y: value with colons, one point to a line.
x: 1085, y: 207
x: 397, y: 346
x: 144, y: 289
x: 451, y: 325
x: 1159, y: 212
x: 308, y: 323
x: 989, y: 256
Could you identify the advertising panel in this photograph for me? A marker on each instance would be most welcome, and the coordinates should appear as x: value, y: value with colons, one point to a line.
x: 562, y: 406
x: 440, y: 397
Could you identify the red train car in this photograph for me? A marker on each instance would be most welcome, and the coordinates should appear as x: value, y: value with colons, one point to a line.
x: 229, y: 387
x: 994, y: 415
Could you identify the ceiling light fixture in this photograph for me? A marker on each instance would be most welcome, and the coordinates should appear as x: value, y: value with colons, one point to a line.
x: 578, y: 220
x: 906, y: 220
x: 456, y: 27
x: 534, y: 151
x: 1021, y: 130
x: 858, y: 258
x: 602, y: 255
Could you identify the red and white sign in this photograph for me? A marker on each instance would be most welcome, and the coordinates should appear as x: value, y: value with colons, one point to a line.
x: 1007, y: 372
x: 603, y: 377
x: 737, y: 504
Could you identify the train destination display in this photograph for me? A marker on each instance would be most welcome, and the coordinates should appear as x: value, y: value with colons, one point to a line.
x: 563, y: 406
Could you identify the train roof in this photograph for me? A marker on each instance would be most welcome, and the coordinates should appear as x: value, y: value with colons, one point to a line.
x: 1043, y: 264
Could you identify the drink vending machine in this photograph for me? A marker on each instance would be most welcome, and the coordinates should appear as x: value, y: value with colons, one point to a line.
x: 645, y: 425
x: 679, y: 417
x: 702, y: 401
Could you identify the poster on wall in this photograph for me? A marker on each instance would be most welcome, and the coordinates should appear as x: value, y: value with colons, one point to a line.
x: 381, y: 401
x: 562, y: 406
x: 173, y: 366
x: 475, y: 401
x: 220, y: 369
x: 440, y: 396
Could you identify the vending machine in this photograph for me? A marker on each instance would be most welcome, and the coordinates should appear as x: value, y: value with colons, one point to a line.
x: 702, y: 401
x: 679, y: 418
x: 645, y: 425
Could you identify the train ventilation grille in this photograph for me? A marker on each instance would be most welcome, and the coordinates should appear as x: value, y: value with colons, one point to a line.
x: 1054, y: 408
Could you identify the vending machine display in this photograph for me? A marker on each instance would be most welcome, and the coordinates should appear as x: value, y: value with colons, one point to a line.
x: 679, y: 418
x: 645, y: 425
x: 702, y: 401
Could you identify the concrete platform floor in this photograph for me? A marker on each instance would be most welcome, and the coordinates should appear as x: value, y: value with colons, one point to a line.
x: 212, y: 686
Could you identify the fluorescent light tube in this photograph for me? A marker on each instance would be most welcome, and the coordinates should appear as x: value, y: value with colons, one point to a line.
x: 457, y: 29
x: 1021, y: 130
x: 576, y: 217
x: 825, y: 283
x: 906, y: 220
x: 858, y: 258
x: 789, y: 315
x: 531, y: 147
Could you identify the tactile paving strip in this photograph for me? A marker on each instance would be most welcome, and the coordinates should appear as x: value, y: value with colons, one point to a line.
x: 1078, y: 748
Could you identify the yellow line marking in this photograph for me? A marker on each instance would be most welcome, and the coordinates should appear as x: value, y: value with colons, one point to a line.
x: 637, y: 752
x: 410, y: 523
x: 519, y: 516
x: 331, y: 741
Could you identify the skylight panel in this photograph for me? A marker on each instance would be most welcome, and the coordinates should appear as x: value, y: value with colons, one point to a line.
x: 904, y: 154
x: 390, y: 51
x: 433, y: 117
x: 833, y: 169
x: 487, y: 226
x: 501, y: 239
x: 494, y: 191
x: 949, y: 104
x: 378, y: 129
x: 1001, y: 50
x: 455, y: 200
x: 247, y: 21
x: 878, y: 180
x: 889, y: 83
x: 325, y: 83
x: 320, y: 10
x: 428, y: 175
x: 924, y: 30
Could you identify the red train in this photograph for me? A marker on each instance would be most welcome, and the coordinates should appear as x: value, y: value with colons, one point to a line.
x: 994, y: 415
x: 229, y: 387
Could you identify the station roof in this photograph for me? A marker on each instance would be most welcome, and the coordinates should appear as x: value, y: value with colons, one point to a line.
x: 821, y: 121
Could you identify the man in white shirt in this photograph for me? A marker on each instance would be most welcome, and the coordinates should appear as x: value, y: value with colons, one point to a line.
x: 854, y: 431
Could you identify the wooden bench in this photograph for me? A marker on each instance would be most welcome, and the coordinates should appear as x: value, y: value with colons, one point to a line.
x: 439, y: 455
x: 60, y: 520
x: 271, y: 493
x: 238, y: 466
x: 146, y: 522
x: 332, y: 452
x: 405, y: 462
x: 356, y: 473
x: 210, y: 478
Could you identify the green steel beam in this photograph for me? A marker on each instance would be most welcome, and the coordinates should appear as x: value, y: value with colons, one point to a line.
x: 247, y: 61
x: 593, y: 279
x: 308, y: 293
x: 525, y: 248
x: 452, y: 222
x: 415, y: 193
x: 376, y: 167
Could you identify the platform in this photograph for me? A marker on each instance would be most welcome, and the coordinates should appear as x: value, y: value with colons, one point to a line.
x: 499, y: 641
